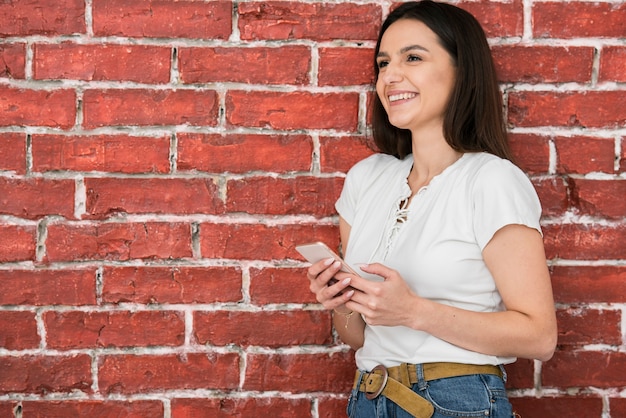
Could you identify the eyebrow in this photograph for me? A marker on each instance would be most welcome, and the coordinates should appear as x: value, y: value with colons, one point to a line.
x: 404, y: 50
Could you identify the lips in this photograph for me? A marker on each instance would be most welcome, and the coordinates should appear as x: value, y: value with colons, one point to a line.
x: 401, y: 96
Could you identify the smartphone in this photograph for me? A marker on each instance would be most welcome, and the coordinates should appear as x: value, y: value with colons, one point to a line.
x: 316, y: 251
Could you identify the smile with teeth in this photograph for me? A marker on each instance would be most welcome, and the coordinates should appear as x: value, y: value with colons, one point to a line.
x: 401, y: 96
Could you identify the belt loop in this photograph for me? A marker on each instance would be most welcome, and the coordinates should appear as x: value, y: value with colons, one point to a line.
x: 421, y: 382
x: 504, y: 376
x: 404, y: 377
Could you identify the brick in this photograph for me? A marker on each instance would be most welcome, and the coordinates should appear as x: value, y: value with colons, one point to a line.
x: 593, y: 109
x: 589, y: 284
x: 603, y: 198
x: 266, y: 328
x: 13, y: 152
x: 316, y: 372
x: 617, y: 407
x: 87, y: 408
x: 19, y: 330
x: 149, y: 107
x: 284, y: 65
x: 498, y: 19
x: 45, y: 374
x: 331, y: 407
x: 582, y: 326
x: 612, y: 64
x: 107, y: 196
x: 241, y: 153
x: 341, y: 153
x: 274, y: 20
x: 129, y: 374
x: 42, y: 17
x: 75, y: 329
x: 118, y: 241
x: 13, y: 60
x: 7, y: 408
x: 273, y: 196
x: 279, y: 285
x: 162, y: 19
x: 585, y: 241
x: 295, y: 110
x: 188, y: 285
x: 260, y: 242
x: 521, y: 374
x: 599, y: 155
x: 105, y: 153
x: 17, y: 243
x: 333, y: 70
x: 531, y: 152
x: 553, y: 194
x: 600, y: 369
x: 56, y: 108
x: 34, y: 198
x: 543, y: 64
x: 548, y: 406
x: 48, y: 287
x: 578, y: 20
x: 241, y: 407
x: 622, y: 158
x: 102, y: 62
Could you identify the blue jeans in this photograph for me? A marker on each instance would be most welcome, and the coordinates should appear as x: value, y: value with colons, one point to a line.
x: 479, y: 395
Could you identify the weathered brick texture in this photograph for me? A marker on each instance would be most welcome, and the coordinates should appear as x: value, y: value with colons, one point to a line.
x: 160, y: 160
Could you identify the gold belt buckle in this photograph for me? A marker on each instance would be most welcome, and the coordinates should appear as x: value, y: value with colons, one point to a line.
x: 385, y: 375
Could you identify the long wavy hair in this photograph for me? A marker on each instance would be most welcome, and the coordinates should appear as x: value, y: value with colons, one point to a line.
x: 473, y: 120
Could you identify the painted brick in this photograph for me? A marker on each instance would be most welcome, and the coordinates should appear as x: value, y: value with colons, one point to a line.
x: 19, y: 330
x: 617, y: 406
x: 241, y: 153
x: 578, y: 19
x: 543, y: 64
x: 118, y: 241
x: 585, y: 241
x: 95, y: 62
x: 35, y: 197
x: 531, y: 152
x: 600, y: 369
x: 553, y: 194
x: 13, y: 152
x: 612, y: 64
x: 279, y: 285
x: 272, y: 196
x: 105, y: 153
x: 589, y: 284
x: 17, y: 243
x: 48, y: 287
x: 74, y: 330
x: 593, y: 109
x: 149, y: 107
x: 578, y: 326
x: 107, y: 196
x: 241, y: 407
x: 341, y: 153
x: 284, y: 65
x: 162, y: 19
x: 24, y: 107
x: 599, y: 155
x: 45, y: 374
x: 520, y: 375
x: 498, y: 19
x: 604, y: 198
x: 330, y: 407
x: 88, y: 408
x: 551, y: 406
x: 42, y: 17
x: 295, y: 110
x: 267, y: 329
x: 345, y: 66
x: 275, y: 20
x: 13, y: 60
x: 128, y: 374
x: 188, y: 285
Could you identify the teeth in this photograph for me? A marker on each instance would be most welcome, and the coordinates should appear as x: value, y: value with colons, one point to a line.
x: 401, y: 96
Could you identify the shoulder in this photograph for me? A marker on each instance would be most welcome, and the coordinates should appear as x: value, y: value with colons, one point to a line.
x: 489, y: 170
x: 376, y: 165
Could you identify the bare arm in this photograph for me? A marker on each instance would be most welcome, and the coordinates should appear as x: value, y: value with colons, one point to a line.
x: 516, y: 259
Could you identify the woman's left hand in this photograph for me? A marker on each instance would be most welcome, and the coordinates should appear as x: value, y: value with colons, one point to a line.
x: 384, y: 303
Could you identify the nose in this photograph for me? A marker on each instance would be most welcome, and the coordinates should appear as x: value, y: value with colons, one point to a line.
x: 391, y: 73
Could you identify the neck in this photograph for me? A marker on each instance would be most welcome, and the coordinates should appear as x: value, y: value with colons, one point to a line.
x: 430, y: 157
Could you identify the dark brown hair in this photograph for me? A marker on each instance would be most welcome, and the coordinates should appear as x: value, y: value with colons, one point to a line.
x: 473, y: 120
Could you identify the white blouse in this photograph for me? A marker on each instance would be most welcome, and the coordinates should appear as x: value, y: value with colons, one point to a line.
x: 435, y: 242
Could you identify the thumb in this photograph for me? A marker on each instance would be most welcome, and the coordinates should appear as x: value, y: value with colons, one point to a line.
x: 377, y: 269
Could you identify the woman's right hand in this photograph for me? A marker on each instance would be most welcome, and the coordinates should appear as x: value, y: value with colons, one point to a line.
x: 329, y: 284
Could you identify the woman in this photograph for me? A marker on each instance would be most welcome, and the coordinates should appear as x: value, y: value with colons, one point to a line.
x: 444, y: 228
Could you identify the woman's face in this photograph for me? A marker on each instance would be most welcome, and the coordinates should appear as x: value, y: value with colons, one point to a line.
x: 416, y: 76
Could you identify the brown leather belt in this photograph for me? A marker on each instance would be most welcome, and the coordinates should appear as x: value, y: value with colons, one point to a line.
x: 395, y: 382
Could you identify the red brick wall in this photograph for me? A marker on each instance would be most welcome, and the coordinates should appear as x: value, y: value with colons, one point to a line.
x: 159, y: 160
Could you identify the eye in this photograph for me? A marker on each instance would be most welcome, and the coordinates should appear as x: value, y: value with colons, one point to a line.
x: 382, y: 64
x: 413, y: 58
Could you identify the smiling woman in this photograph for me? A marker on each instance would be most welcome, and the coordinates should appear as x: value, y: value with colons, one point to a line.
x: 449, y: 223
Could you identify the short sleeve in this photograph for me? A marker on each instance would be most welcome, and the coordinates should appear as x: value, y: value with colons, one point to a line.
x: 503, y: 195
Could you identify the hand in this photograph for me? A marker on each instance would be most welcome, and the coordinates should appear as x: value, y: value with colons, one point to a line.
x: 329, y: 284
x: 390, y: 302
